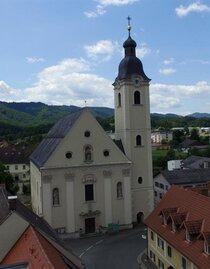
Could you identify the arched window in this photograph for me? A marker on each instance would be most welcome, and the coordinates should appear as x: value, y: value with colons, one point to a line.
x: 137, y: 98
x: 88, y: 153
x: 138, y: 140
x: 119, y: 190
x: 56, y: 198
x: 119, y: 99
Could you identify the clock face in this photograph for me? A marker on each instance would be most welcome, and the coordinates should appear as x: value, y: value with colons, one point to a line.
x: 137, y: 80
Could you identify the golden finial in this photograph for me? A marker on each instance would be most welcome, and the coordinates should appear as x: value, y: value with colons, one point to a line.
x: 129, y: 24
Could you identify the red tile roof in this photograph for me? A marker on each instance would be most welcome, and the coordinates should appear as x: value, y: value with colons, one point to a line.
x: 35, y: 249
x: 196, y: 209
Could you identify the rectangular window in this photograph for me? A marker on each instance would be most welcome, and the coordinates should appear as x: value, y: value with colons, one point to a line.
x: 184, y: 263
x: 24, y: 167
x: 89, y: 194
x: 160, y: 264
x: 160, y: 195
x: 161, y: 186
x: 152, y: 235
x: 155, y: 194
x: 169, y: 251
x: 152, y: 256
x: 16, y: 167
x: 160, y: 243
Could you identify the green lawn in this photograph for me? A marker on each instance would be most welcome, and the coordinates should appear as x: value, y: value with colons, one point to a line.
x: 162, y: 153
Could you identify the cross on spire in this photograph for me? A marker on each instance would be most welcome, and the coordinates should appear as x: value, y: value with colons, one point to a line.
x: 129, y: 24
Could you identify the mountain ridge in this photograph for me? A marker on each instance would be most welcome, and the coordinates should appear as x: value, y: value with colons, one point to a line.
x: 37, y: 117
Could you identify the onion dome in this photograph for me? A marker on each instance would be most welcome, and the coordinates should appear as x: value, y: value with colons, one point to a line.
x: 130, y: 64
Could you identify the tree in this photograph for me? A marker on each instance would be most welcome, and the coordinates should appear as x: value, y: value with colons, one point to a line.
x: 194, y: 135
x: 178, y: 135
x: 171, y: 155
x: 7, y: 179
x: 186, y: 130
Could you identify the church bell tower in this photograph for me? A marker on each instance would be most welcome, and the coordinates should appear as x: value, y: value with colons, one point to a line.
x: 133, y: 128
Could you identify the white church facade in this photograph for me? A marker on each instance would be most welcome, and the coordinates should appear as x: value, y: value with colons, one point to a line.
x: 81, y: 179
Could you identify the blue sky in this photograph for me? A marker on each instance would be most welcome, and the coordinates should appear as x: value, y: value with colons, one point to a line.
x: 68, y: 51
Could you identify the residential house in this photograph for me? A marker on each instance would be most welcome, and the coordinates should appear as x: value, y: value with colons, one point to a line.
x: 179, y: 231
x: 16, y: 160
x: 28, y: 241
x: 184, y: 178
x: 174, y: 164
x: 194, y: 162
x: 159, y: 137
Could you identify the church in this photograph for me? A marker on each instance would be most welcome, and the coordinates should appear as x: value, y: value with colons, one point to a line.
x: 81, y: 179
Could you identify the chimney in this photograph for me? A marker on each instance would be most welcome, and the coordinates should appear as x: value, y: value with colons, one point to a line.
x: 12, y: 202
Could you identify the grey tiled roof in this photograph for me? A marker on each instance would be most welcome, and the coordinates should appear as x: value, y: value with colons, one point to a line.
x: 25, y: 213
x: 195, y: 161
x: 189, y: 143
x: 4, y: 206
x: 187, y: 176
x: 55, y: 135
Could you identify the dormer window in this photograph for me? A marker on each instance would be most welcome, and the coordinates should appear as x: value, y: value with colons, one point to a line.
x: 164, y: 220
x: 173, y: 226
x: 206, y: 248
x: 188, y: 237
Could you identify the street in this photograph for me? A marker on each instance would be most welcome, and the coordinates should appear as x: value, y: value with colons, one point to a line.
x: 111, y: 251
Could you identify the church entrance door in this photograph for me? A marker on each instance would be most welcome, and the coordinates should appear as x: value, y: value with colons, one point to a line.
x: 90, y: 225
x: 140, y: 217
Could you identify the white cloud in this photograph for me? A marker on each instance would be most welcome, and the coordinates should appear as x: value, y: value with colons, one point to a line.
x: 182, y: 11
x: 99, y: 11
x: 159, y: 101
x: 116, y: 2
x: 102, y: 50
x: 167, y: 71
x: 101, y: 7
x: 142, y: 51
x: 70, y: 83
x: 200, y: 88
x: 7, y: 93
x: 32, y: 60
x: 168, y: 61
x: 168, y: 98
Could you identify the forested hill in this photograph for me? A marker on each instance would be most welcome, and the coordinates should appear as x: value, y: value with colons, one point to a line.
x: 26, y: 119
x: 34, y: 114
